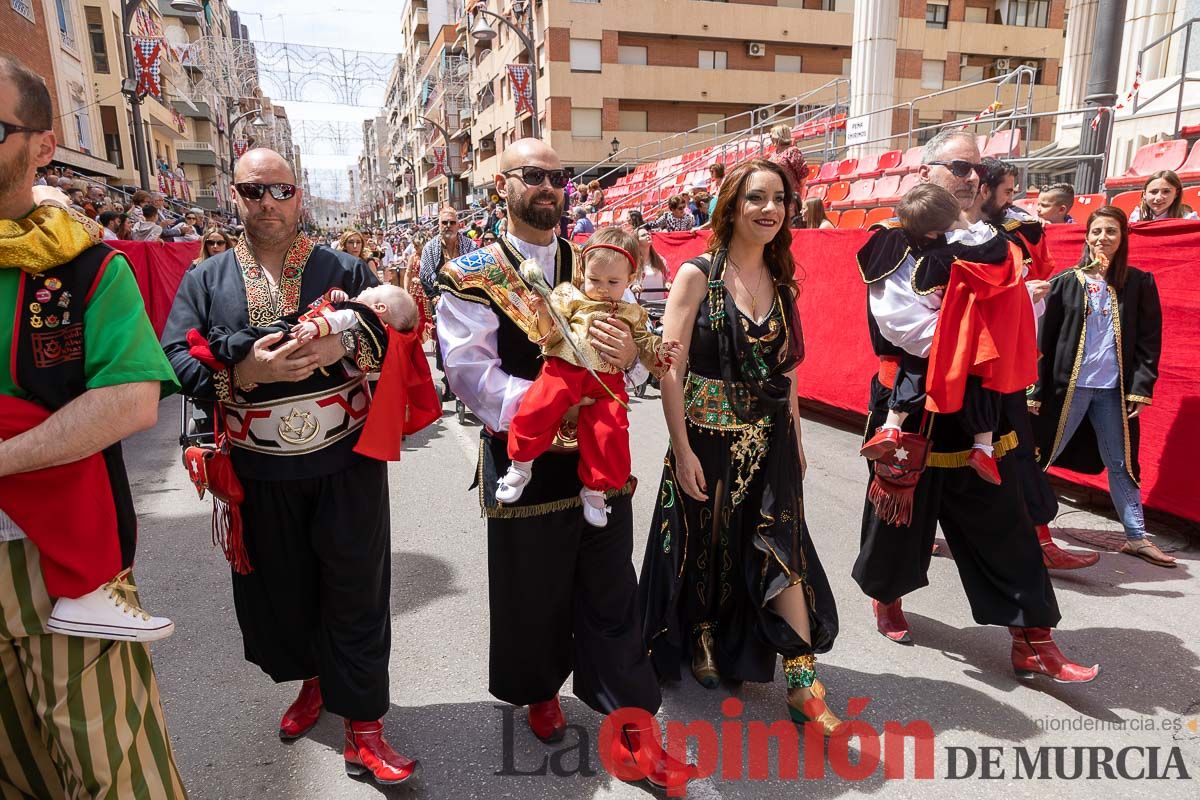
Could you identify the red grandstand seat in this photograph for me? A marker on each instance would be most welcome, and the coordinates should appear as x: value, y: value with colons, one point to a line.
x: 908, y: 162
x: 1126, y: 201
x: 981, y: 141
x: 1191, y: 197
x: 837, y: 192
x: 1084, y: 204
x: 846, y: 168
x: 887, y: 189
x: 813, y: 169
x: 878, y: 215
x: 1150, y: 158
x: 862, y: 193
x: 827, y: 173
x: 852, y: 218
x: 816, y: 191
x: 883, y: 163
x: 907, y: 182
x: 833, y: 216
x: 1190, y: 170
x: 1002, y: 144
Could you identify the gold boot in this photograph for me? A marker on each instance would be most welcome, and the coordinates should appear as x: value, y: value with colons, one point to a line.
x: 704, y: 658
x: 803, y: 689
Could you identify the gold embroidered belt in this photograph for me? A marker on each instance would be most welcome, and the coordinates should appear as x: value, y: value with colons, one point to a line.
x: 293, y: 426
x: 706, y: 404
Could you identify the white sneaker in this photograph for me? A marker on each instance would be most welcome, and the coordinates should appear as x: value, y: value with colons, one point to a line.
x: 512, y: 485
x: 106, y: 614
x: 594, y: 515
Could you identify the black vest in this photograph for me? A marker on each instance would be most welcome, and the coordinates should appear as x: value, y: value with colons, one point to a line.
x: 48, y: 358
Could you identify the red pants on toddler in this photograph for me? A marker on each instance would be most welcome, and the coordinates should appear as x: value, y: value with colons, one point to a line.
x: 603, y: 426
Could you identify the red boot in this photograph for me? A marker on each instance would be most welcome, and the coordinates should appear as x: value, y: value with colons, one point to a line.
x: 367, y: 752
x: 1054, y: 557
x: 889, y: 619
x: 984, y: 465
x: 1035, y: 653
x: 646, y: 758
x: 303, y: 713
x: 546, y: 720
x: 885, y: 441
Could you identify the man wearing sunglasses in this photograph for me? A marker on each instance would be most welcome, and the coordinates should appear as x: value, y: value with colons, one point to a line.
x: 562, y: 593
x: 314, y: 606
x: 987, y: 526
x: 82, y: 371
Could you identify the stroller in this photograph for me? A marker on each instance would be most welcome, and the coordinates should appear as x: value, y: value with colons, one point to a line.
x: 655, y: 310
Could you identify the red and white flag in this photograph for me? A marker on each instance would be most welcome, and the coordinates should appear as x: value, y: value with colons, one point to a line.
x: 1124, y: 101
x: 520, y: 76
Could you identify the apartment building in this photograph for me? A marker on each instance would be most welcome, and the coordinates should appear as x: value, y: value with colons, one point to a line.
x: 635, y: 71
x: 374, y: 189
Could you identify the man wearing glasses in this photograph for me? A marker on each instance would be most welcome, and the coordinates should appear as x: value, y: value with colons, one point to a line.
x: 313, y: 605
x: 987, y: 526
x: 562, y: 593
x: 82, y: 371
x: 449, y: 244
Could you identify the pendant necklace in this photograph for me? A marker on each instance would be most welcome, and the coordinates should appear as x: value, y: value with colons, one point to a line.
x: 737, y: 274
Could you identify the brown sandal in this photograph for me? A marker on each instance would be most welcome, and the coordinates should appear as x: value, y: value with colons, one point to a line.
x: 1148, y: 552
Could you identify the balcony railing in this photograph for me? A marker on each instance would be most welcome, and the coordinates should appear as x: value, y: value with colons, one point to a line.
x: 194, y: 146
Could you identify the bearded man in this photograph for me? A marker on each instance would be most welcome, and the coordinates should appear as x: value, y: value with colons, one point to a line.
x: 313, y: 604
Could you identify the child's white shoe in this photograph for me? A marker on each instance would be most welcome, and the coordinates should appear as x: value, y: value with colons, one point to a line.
x: 593, y: 514
x: 512, y: 485
x: 105, y: 614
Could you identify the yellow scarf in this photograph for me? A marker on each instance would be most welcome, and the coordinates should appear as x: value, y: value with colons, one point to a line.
x: 48, y: 237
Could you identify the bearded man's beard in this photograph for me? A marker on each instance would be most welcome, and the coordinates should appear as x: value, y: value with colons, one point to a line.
x: 537, y: 217
x: 14, y: 173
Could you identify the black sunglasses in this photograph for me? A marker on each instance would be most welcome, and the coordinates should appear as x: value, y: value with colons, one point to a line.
x: 215, y: 242
x: 533, y: 176
x: 961, y: 169
x: 255, y: 191
x: 7, y: 128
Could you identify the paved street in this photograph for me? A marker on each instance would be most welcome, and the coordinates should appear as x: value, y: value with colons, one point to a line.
x: 1138, y: 620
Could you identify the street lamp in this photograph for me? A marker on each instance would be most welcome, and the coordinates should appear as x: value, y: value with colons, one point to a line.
x: 397, y: 160
x: 616, y: 145
x: 481, y: 31
x: 187, y: 6
x: 128, y: 9
x: 450, y: 176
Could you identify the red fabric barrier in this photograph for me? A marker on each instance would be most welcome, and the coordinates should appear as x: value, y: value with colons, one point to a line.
x: 158, y: 267
x: 838, y: 363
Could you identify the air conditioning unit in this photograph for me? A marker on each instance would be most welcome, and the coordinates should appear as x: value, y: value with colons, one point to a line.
x: 487, y: 144
x: 964, y: 60
x: 756, y: 49
x: 1003, y: 65
x: 1031, y: 64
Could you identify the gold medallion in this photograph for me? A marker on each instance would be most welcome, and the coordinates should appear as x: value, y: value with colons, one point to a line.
x: 298, y: 427
x: 35, y: 322
x: 35, y: 308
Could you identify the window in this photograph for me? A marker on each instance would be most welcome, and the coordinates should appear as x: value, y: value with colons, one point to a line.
x: 95, y: 25
x: 715, y: 123
x: 634, y: 121
x: 932, y: 74
x: 845, y: 67
x: 977, y: 15
x: 630, y: 54
x: 66, y: 30
x: 924, y: 136
x: 1028, y: 13
x: 788, y: 63
x: 586, y: 123
x: 83, y: 135
x: 937, y: 15
x: 713, y: 59
x: 585, y: 55
x: 831, y: 5
x: 970, y: 74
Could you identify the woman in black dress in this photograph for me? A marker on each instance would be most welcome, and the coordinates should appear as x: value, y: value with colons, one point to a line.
x: 731, y: 578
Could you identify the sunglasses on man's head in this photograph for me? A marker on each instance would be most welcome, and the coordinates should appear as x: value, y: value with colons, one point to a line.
x: 255, y: 191
x: 961, y: 169
x: 8, y: 128
x: 534, y: 176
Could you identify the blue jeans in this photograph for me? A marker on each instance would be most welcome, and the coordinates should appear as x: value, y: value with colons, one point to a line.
x: 1103, y: 407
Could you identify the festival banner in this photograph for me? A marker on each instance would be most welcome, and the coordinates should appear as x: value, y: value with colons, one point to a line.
x: 439, y: 162
x: 520, y: 77
x: 148, y: 53
x: 240, y: 146
x: 162, y: 183
x: 1124, y: 101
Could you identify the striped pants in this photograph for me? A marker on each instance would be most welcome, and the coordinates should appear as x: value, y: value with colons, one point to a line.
x: 79, y: 718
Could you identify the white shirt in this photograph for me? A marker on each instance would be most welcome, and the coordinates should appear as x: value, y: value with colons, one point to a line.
x: 468, y: 335
x: 107, y: 234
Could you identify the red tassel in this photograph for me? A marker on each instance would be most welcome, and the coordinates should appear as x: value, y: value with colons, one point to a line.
x: 227, y: 534
x: 893, y: 504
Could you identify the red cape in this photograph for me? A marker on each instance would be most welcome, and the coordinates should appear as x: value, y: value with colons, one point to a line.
x: 986, y: 327
x: 67, y: 511
x: 405, y: 398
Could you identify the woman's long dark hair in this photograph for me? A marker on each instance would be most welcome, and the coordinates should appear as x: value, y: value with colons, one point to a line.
x: 778, y: 252
x: 1118, y: 266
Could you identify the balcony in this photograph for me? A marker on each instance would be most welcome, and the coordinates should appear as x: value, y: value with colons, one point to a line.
x: 207, y: 199
x: 199, y: 153
x: 202, y: 111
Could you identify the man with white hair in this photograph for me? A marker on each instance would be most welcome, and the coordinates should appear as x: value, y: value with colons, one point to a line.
x: 987, y: 526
